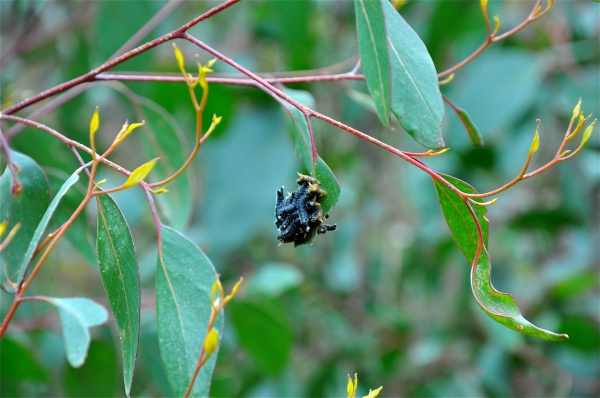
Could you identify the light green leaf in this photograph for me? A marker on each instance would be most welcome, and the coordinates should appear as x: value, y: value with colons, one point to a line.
x: 501, y: 307
x: 263, y: 329
x: 120, y: 274
x: 77, y: 315
x: 22, y: 201
x: 183, y: 284
x: 39, y: 231
x: 372, y: 46
x: 416, y: 98
x: 273, y: 279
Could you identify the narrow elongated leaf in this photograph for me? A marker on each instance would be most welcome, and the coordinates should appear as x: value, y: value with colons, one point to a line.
x: 299, y: 127
x: 77, y: 315
x: 22, y: 201
x: 39, y: 231
x: 416, y: 98
x: 183, y: 284
x: 374, y: 57
x: 120, y: 274
x: 472, y: 130
x: 501, y: 307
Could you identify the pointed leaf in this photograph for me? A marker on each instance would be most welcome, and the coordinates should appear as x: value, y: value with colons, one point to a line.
x: 375, y: 60
x: 501, y: 307
x: 299, y: 127
x: 77, y: 315
x: 416, y: 98
x: 120, y: 275
x: 183, y: 284
x: 39, y: 231
x: 22, y: 201
x: 472, y: 130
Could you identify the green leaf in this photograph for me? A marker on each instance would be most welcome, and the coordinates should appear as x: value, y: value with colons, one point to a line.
x: 298, y: 127
x: 39, y: 231
x: 18, y: 363
x: 77, y: 315
x: 22, y: 201
x: 501, y: 307
x: 263, y: 329
x: 97, y: 377
x: 458, y: 218
x: 183, y: 284
x: 120, y: 275
x: 472, y: 130
x: 163, y: 137
x: 372, y: 46
x: 416, y: 98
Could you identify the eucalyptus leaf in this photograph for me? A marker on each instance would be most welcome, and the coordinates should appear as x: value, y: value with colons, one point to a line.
x: 373, y: 49
x: 184, y: 280
x: 120, y: 274
x: 23, y: 201
x: 472, y: 130
x: 77, y: 315
x: 37, y: 236
x: 298, y: 127
x: 501, y: 307
x: 416, y: 98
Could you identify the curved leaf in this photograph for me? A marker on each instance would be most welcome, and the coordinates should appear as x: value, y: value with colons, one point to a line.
x: 120, y: 275
x: 416, y: 98
x: 374, y: 57
x: 183, y: 284
x: 22, y: 201
x: 472, y: 130
x: 77, y: 315
x: 39, y: 231
x: 501, y: 307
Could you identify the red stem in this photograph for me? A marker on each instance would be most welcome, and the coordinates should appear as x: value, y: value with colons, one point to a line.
x: 226, y: 80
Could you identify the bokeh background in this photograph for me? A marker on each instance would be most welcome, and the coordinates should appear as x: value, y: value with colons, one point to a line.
x: 387, y: 295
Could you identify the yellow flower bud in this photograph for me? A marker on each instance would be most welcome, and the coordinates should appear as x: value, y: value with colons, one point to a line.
x: 497, y: 25
x: 484, y: 4
x: 577, y: 109
x: 536, y: 143
x: 140, y: 173
x: 94, y: 123
x: 373, y: 393
x: 588, y: 132
x: 180, y: 60
x: 210, y: 343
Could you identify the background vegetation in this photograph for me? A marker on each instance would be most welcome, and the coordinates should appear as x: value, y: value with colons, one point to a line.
x: 387, y: 295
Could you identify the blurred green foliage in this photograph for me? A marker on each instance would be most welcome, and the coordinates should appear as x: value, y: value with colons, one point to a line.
x: 387, y: 295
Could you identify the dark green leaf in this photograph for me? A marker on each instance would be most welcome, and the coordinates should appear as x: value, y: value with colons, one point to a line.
x: 97, y: 377
x: 472, y: 130
x: 375, y: 60
x: 501, y: 307
x: 164, y: 138
x: 416, y: 98
x: 120, y: 275
x: 183, y: 284
x: 77, y: 315
x: 263, y: 328
x: 299, y: 127
x: 22, y: 201
x: 39, y: 231
x: 18, y: 363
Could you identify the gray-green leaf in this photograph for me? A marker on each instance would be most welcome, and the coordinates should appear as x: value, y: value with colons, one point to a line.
x: 120, y: 274
x: 183, y: 284
x: 416, y: 98
x: 375, y: 60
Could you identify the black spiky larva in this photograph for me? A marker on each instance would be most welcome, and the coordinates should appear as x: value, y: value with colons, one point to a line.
x: 299, y: 213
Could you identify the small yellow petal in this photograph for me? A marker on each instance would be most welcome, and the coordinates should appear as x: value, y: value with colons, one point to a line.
x: 588, y: 132
x: 350, y: 387
x: 159, y: 191
x: 211, y: 342
x: 216, y: 120
x: 140, y: 173
x: 128, y: 129
x: 95, y: 122
x: 536, y: 143
x: 210, y: 63
x: 446, y: 80
x: 497, y: 24
x: 373, y: 393
x: 484, y: 4
x: 234, y: 290
x: 179, y: 56
x: 3, y: 227
x: 577, y: 109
